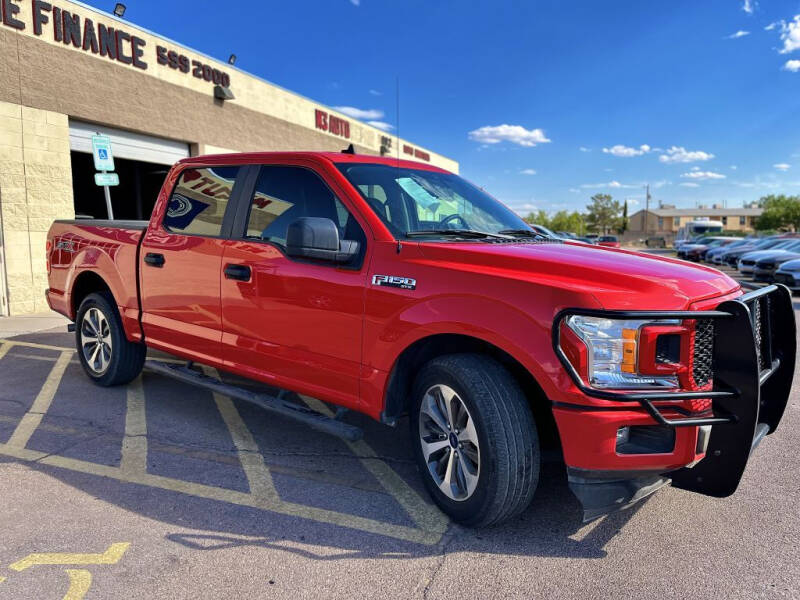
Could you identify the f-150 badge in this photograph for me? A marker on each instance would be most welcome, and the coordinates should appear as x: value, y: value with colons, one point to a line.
x: 405, y: 283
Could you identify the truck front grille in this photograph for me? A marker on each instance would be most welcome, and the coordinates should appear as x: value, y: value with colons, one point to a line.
x: 759, y: 313
x: 702, y: 364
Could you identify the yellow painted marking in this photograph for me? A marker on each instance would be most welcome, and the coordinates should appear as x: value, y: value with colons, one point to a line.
x: 109, y: 557
x: 425, y: 515
x: 31, y: 419
x: 257, y: 473
x: 39, y: 346
x: 2, y: 579
x: 80, y: 580
x: 134, y: 444
x: 4, y: 348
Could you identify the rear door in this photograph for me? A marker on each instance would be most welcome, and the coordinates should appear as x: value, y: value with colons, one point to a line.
x: 180, y: 262
x: 294, y: 323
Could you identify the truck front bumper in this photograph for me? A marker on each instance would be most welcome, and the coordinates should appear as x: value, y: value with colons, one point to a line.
x: 753, y: 357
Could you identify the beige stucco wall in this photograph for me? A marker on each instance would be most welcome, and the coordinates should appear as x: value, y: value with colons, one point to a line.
x: 35, y: 189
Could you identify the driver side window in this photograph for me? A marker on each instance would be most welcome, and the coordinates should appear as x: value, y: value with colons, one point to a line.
x: 284, y: 194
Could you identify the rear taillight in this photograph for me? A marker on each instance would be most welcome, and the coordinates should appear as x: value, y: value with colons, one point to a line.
x: 48, y: 246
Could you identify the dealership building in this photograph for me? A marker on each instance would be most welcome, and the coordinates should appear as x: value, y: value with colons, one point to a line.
x: 69, y: 72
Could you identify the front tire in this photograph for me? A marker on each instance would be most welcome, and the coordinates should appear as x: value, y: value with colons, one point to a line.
x: 474, y: 439
x: 108, y: 358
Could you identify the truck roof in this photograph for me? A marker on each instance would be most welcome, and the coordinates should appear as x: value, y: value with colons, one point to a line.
x: 334, y: 157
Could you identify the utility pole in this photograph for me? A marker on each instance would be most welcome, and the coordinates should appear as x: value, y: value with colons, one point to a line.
x: 647, y: 210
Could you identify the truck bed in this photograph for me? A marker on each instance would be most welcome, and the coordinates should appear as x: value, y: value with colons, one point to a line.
x: 84, y: 248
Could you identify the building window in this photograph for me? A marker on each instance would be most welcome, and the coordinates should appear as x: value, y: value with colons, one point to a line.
x: 742, y: 220
x: 677, y: 221
x: 725, y: 221
x: 660, y: 224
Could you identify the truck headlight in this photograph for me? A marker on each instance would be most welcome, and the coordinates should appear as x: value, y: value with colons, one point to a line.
x: 605, y: 352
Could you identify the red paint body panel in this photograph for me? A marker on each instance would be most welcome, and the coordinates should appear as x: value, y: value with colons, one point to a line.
x: 330, y: 333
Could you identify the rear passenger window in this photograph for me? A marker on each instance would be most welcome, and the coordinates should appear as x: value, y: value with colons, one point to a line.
x: 284, y: 194
x: 198, y: 202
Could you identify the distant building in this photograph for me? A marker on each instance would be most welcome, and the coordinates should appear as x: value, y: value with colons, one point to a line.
x: 667, y: 220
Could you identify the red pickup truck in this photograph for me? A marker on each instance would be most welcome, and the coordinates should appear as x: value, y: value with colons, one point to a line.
x: 398, y: 289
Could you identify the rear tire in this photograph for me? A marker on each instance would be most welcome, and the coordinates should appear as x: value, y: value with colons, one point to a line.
x: 108, y: 358
x: 494, y: 463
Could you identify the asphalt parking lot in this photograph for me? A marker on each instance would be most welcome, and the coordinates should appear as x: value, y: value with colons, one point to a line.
x: 159, y: 490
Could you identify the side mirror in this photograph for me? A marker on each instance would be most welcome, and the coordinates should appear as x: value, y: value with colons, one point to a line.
x: 318, y: 238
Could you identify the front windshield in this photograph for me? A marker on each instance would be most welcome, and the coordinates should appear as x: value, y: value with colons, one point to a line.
x: 429, y: 203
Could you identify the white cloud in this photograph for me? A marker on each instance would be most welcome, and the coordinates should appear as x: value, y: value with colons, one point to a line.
x: 749, y: 6
x: 772, y: 26
x: 584, y: 149
x: 355, y: 2
x: 610, y: 184
x: 627, y: 151
x: 790, y: 35
x: 375, y: 93
x: 695, y: 168
x: 702, y: 175
x: 632, y: 202
x: 792, y: 65
x: 734, y: 167
x: 679, y: 154
x: 382, y: 125
x: 782, y: 166
x: 737, y: 35
x: 528, y: 172
x: 360, y: 113
x: 690, y: 184
x: 516, y: 134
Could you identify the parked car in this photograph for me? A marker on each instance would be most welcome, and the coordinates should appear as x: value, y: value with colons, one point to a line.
x: 697, y: 252
x: 566, y: 235
x: 764, y: 269
x: 279, y: 267
x: 684, y: 248
x: 732, y: 256
x: 609, y: 241
x: 788, y: 274
x: 714, y: 255
x: 747, y: 263
x: 544, y: 231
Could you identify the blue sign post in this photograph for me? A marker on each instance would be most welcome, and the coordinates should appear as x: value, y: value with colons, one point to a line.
x: 104, y: 162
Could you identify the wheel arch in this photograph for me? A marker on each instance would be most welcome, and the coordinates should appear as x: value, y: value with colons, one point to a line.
x: 87, y: 282
x: 397, y: 396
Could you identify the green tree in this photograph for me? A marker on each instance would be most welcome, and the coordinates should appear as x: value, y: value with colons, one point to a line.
x: 779, y: 212
x: 624, y: 226
x: 538, y: 218
x: 603, y: 213
x: 567, y: 221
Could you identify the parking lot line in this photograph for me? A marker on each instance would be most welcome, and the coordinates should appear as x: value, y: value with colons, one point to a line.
x: 110, y: 557
x: 425, y: 515
x: 80, y: 580
x: 257, y: 473
x: 4, y: 348
x: 31, y: 419
x: 134, y: 444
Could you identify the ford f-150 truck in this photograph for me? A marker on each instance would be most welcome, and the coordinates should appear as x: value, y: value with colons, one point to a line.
x: 398, y: 289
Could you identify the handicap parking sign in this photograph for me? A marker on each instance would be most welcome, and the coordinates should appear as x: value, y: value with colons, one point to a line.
x: 101, y: 150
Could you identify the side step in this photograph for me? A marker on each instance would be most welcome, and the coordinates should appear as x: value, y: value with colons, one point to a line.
x: 285, y: 408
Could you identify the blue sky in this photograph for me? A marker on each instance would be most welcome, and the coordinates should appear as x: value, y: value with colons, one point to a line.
x: 542, y: 102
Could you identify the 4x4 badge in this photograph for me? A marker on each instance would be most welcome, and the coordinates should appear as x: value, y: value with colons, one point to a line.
x: 405, y: 283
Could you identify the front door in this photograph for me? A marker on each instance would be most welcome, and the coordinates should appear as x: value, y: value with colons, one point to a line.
x: 295, y: 324
x: 181, y: 264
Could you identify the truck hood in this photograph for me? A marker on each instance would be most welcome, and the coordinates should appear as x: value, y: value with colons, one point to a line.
x: 618, y: 279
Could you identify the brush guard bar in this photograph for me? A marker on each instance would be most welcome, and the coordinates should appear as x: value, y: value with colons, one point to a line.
x: 753, y: 366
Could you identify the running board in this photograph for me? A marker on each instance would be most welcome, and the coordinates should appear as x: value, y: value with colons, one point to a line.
x: 285, y: 408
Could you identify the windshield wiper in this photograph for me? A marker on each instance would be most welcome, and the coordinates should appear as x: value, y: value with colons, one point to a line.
x: 465, y: 233
x: 524, y: 232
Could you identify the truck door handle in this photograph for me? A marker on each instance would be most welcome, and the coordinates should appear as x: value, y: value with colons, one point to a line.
x: 240, y: 272
x: 154, y: 260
